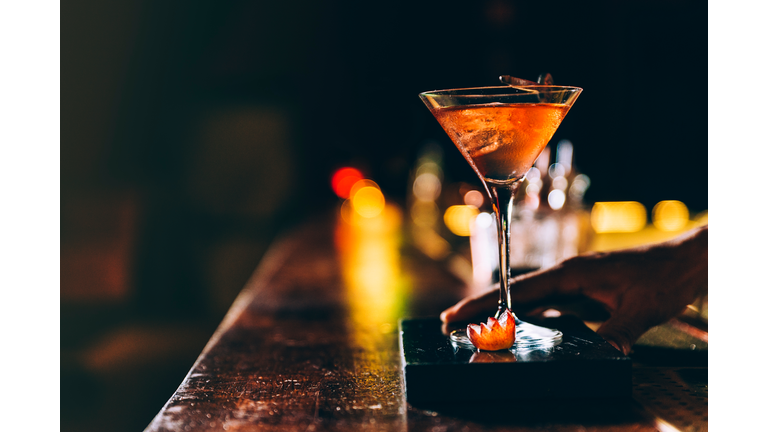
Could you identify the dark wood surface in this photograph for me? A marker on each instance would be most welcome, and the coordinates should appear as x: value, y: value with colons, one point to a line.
x: 311, y: 344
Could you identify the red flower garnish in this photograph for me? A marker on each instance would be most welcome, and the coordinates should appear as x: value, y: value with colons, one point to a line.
x: 496, y: 335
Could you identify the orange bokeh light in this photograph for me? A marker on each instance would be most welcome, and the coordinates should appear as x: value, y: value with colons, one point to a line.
x: 343, y: 180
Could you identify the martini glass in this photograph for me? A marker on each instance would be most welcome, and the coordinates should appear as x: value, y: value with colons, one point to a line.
x: 501, y: 131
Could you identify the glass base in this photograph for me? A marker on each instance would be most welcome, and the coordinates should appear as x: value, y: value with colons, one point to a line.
x: 527, y: 336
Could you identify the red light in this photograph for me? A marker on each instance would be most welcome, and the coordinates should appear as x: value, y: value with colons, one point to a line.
x: 343, y: 179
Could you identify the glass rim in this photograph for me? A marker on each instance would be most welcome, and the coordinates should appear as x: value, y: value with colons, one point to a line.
x: 533, y: 87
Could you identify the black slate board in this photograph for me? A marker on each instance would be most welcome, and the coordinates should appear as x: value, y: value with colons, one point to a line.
x: 582, y: 366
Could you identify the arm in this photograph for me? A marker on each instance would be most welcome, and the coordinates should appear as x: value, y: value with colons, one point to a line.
x: 640, y: 287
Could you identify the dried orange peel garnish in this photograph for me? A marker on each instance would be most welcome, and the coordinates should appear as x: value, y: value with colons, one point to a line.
x: 495, y: 335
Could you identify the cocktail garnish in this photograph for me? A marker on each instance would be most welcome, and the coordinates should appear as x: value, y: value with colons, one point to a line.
x: 513, y: 81
x: 495, y: 335
x: 544, y: 79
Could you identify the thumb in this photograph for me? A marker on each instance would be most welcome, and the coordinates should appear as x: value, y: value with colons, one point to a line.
x: 622, y: 331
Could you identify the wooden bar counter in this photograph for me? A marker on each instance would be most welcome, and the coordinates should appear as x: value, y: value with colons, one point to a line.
x: 311, y: 344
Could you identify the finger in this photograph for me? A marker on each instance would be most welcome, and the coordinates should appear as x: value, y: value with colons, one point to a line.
x: 622, y: 331
x: 526, y: 289
x: 562, y: 279
x: 471, y: 306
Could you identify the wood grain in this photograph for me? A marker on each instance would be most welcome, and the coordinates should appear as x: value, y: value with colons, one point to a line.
x: 294, y: 353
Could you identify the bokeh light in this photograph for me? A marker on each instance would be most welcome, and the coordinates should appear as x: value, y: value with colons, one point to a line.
x: 533, y: 175
x: 556, y: 170
x: 618, y: 216
x: 560, y: 182
x: 579, y: 186
x: 565, y: 155
x: 702, y: 218
x: 427, y: 186
x: 367, y: 199
x: 542, y: 162
x: 458, y: 219
x: 370, y: 263
x: 484, y: 220
x: 361, y: 184
x: 556, y: 199
x: 425, y: 213
x: 428, y: 165
x: 343, y: 180
x: 533, y: 189
x: 670, y: 215
x: 474, y: 198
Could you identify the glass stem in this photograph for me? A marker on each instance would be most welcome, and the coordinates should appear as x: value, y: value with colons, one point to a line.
x: 502, y: 197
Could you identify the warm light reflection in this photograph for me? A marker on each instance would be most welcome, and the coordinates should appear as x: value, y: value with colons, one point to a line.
x: 368, y: 201
x: 459, y: 217
x: 474, y: 198
x: 670, y: 215
x: 493, y: 357
x: 702, y: 218
x: 618, y: 216
x: 663, y: 426
x: 346, y: 213
x: 373, y: 225
x: 361, y: 184
x: 370, y: 260
x: 343, y: 179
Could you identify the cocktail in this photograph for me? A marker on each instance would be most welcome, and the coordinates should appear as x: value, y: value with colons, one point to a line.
x: 501, y: 131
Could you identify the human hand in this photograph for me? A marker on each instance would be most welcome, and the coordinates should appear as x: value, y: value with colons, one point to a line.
x: 640, y: 287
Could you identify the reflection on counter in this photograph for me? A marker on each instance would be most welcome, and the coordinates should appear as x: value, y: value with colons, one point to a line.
x: 368, y: 240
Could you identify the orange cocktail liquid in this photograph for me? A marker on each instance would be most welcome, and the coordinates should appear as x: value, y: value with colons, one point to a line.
x: 501, y: 141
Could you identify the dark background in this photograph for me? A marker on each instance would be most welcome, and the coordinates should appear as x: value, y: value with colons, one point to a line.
x: 194, y: 132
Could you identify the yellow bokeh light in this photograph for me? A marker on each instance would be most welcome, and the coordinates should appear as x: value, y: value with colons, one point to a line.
x: 702, y: 218
x: 383, y: 222
x: 361, y: 184
x: 369, y: 253
x: 368, y: 201
x: 458, y: 218
x: 618, y: 216
x: 670, y: 215
x: 346, y: 212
